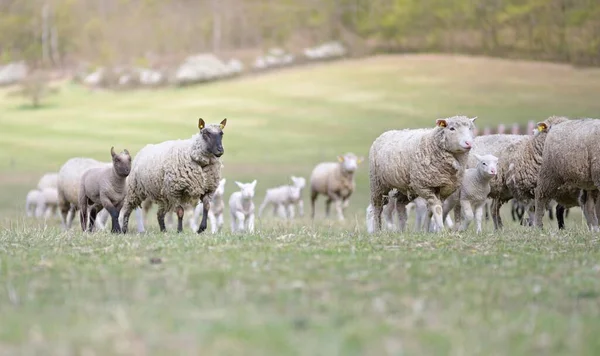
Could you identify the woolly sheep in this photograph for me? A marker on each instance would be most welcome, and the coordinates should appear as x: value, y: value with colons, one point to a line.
x: 420, y: 162
x: 215, y: 213
x: 104, y: 188
x: 31, y: 202
x: 283, y: 198
x: 48, y: 180
x: 336, y: 181
x: 569, y: 161
x: 473, y: 191
x: 241, y: 207
x: 175, y: 173
x: 69, y: 182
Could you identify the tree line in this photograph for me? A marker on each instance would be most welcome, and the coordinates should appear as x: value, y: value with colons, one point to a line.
x: 55, y: 33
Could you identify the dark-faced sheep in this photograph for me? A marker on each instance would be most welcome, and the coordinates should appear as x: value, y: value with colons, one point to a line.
x: 175, y: 173
x: 429, y: 163
x: 104, y: 188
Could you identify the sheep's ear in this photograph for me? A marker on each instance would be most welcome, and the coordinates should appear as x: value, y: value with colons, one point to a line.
x: 341, y: 158
x: 201, y: 124
x: 542, y: 126
x: 479, y: 158
x: 360, y: 159
x: 112, y: 152
x: 241, y: 185
x: 473, y: 119
x: 253, y: 183
x: 223, y: 123
x: 441, y: 123
x: 126, y: 152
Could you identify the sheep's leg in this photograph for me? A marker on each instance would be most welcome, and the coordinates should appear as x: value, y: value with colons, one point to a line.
x: 233, y: 222
x: 402, y: 215
x: 83, y: 215
x: 540, y: 204
x: 205, y: 208
x: 220, y: 222
x: 434, y: 204
x: 180, y: 213
x: 560, y: 216
x: 93, y: 212
x: 479, y: 216
x: 291, y: 210
x: 301, y: 208
x: 251, y: 223
x: 467, y: 212
x: 328, y: 207
x: 160, y: 216
x: 458, y: 215
x: 71, y: 215
x: 590, y: 208
x: 146, y: 206
x: 530, y: 213
x: 313, y: 199
x: 346, y: 203
x: 513, y: 210
x: 63, y: 207
x: 377, y: 204
x: 281, y: 211
x: 495, y: 213
x: 213, y: 222
x: 264, y: 205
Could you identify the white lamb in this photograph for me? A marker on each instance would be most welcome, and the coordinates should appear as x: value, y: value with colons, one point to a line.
x: 283, y: 198
x: 473, y: 191
x: 241, y: 207
x: 31, y: 202
x: 215, y: 213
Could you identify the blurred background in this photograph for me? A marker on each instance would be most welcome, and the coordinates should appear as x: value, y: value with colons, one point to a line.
x: 299, y: 81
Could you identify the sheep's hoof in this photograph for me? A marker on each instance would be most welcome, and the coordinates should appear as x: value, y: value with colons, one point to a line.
x: 201, y: 229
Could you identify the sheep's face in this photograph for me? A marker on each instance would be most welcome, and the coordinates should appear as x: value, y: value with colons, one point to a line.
x: 350, y: 162
x: 121, y: 162
x: 294, y: 192
x: 247, y: 189
x: 487, y: 165
x: 212, y: 135
x: 299, y: 182
x: 456, y: 133
x: 220, y: 191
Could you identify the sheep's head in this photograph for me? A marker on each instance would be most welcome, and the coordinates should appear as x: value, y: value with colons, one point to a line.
x: 212, y: 136
x: 121, y: 162
x: 487, y: 165
x: 299, y: 182
x: 247, y: 189
x: 294, y: 192
x: 455, y: 134
x: 542, y: 127
x: 220, y: 191
x: 546, y: 125
x: 350, y: 162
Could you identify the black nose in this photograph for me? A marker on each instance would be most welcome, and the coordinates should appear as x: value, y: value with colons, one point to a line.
x: 219, y: 153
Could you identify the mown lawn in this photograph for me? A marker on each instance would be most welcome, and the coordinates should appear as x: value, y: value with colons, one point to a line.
x: 294, y: 288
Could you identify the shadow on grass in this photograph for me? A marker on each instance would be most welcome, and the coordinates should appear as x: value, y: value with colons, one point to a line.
x: 30, y: 107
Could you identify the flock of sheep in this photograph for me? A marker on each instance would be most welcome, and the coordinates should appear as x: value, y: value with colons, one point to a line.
x: 436, y: 170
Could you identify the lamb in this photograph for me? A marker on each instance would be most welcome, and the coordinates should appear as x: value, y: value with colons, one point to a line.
x: 47, y: 202
x: 429, y: 163
x: 473, y: 191
x: 569, y: 161
x: 387, y: 212
x: 69, y: 182
x: 104, y: 188
x: 336, y: 181
x: 241, y: 207
x: 175, y: 173
x: 217, y: 208
x: 283, y: 198
x: 31, y: 202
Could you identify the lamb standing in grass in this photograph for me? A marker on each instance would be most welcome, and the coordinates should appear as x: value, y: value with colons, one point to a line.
x: 283, y: 199
x: 48, y: 202
x: 215, y: 213
x: 48, y: 180
x: 69, y: 182
x: 336, y: 181
x: 429, y: 163
x: 175, y: 173
x: 104, y: 188
x: 241, y: 207
x: 473, y: 191
x: 569, y: 162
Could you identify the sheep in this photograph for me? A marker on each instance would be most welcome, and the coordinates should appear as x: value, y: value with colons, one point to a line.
x: 283, y: 198
x: 69, y: 182
x: 48, y: 180
x: 217, y: 208
x: 31, y: 202
x: 336, y: 181
x: 241, y: 207
x: 47, y: 202
x: 569, y: 161
x: 387, y: 212
x: 419, y: 162
x: 473, y: 191
x: 104, y: 188
x: 175, y: 173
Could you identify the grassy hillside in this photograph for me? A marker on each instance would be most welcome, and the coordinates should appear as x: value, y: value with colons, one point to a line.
x: 294, y: 289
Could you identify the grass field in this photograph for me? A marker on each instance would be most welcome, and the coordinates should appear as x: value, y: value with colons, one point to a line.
x: 294, y: 288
